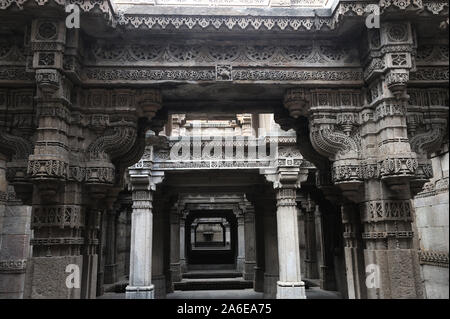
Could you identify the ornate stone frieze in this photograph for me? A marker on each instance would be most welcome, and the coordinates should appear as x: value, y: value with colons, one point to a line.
x: 62, y: 216
x: 47, y: 169
x: 433, y: 258
x: 432, y: 54
x: 429, y: 74
x: 214, y: 22
x: 387, y: 235
x: 386, y: 168
x: 237, y: 54
x: 57, y: 241
x: 386, y: 210
x: 293, y: 23
x: 15, y: 74
x: 13, y: 266
x: 433, y: 188
x: 102, y: 75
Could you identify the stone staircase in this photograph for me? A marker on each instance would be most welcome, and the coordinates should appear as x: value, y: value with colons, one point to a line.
x: 212, y: 279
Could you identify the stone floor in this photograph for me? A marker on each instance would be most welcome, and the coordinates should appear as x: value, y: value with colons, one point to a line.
x: 313, y: 293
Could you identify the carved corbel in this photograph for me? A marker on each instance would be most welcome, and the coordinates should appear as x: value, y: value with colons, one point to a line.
x: 48, y: 82
x: 149, y: 101
x: 427, y: 122
x: 101, y: 153
x: 297, y: 102
x: 429, y: 141
x: 333, y: 123
x: 396, y: 81
x: 333, y: 144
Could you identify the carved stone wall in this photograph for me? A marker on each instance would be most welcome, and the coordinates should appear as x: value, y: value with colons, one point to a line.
x: 431, y: 211
x: 373, y: 105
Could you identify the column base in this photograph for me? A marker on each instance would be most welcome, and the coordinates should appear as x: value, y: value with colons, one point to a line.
x: 258, y: 285
x: 270, y: 285
x: 291, y: 290
x: 183, y: 266
x: 159, y: 282
x: 249, y: 270
x: 175, y: 271
x: 141, y: 292
x: 110, y: 274
x: 240, y: 264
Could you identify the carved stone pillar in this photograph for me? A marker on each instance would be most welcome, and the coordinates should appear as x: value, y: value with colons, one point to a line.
x: 271, y: 269
x: 91, y: 254
x: 183, y: 266
x: 353, y: 250
x: 158, y: 267
x: 326, y: 248
x: 143, y: 184
x: 240, y: 259
x: 290, y: 285
x: 250, y: 249
x: 140, y: 280
x: 258, y: 284
x: 175, y: 241
x: 111, y: 247
x: 311, y: 270
x: 261, y: 203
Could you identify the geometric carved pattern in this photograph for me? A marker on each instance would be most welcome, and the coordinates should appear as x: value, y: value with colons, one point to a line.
x: 383, y: 210
x: 70, y: 216
x: 434, y: 258
x: 13, y: 266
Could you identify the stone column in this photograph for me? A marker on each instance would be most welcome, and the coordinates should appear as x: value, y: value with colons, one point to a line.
x: 158, y: 276
x: 271, y: 270
x: 175, y: 241
x: 101, y: 249
x: 353, y: 250
x: 193, y: 236
x: 240, y: 259
x: 140, y: 280
x: 227, y: 233
x: 301, y: 239
x: 183, y: 266
x: 325, y: 248
x: 390, y: 258
x: 258, y: 284
x: 90, y: 253
x: 311, y: 270
x: 290, y: 285
x: 111, y: 247
x: 250, y: 249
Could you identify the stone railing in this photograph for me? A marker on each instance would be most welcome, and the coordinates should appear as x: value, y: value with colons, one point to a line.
x: 220, y: 152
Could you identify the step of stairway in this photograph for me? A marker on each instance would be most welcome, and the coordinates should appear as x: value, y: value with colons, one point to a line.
x: 213, y: 284
x: 198, y: 274
x: 209, y: 267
